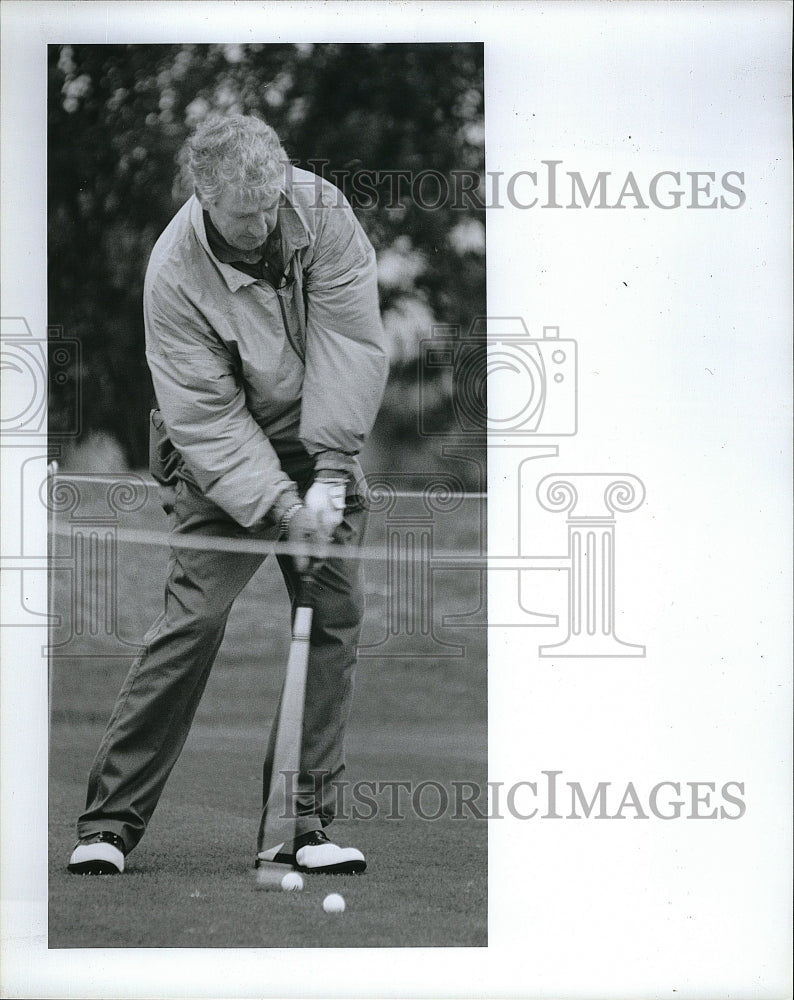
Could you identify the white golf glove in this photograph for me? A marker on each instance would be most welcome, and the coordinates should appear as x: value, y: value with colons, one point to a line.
x: 326, y: 497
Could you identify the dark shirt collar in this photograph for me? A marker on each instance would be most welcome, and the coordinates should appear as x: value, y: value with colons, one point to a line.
x: 293, y: 230
x: 228, y: 254
x: 266, y: 263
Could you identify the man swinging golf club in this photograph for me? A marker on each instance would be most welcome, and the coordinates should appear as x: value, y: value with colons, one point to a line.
x: 265, y: 344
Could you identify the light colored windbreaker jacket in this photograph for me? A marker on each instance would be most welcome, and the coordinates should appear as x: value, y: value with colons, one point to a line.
x: 240, y: 368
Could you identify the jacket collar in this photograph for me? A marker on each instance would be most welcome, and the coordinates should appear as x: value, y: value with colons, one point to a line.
x: 294, y: 236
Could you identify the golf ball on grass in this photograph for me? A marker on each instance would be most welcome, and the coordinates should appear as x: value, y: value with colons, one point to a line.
x: 334, y: 903
x: 292, y: 882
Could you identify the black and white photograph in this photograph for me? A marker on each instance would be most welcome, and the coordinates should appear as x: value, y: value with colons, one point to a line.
x: 396, y: 482
x: 247, y: 195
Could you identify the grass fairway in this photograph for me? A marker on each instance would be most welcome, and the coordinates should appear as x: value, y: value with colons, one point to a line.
x: 190, y: 883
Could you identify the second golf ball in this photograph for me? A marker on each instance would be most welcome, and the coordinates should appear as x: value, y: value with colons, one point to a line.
x: 292, y: 882
x: 334, y: 903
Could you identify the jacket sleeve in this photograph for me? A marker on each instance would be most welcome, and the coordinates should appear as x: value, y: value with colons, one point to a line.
x: 346, y: 363
x: 204, y: 410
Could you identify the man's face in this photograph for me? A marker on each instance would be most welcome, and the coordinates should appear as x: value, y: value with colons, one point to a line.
x: 244, y: 221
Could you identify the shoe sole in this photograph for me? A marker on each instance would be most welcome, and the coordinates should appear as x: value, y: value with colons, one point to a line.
x: 93, y: 868
x: 343, y: 868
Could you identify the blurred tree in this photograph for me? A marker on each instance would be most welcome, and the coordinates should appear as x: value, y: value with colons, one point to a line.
x: 398, y: 127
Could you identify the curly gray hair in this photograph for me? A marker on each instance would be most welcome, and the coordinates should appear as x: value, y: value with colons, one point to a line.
x: 235, y: 151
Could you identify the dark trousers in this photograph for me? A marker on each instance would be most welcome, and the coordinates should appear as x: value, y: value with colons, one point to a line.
x: 159, y: 698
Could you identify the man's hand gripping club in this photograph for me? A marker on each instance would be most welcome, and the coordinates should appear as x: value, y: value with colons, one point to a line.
x: 313, y: 523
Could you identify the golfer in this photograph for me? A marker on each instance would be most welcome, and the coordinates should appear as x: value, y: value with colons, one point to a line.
x: 266, y: 349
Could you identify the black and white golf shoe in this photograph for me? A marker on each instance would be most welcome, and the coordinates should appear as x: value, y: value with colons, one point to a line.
x: 313, y: 852
x: 98, y: 854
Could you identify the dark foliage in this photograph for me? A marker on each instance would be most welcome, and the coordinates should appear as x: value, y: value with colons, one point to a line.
x: 118, y: 117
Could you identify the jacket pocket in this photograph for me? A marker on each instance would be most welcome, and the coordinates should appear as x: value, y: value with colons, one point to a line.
x: 164, y: 459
